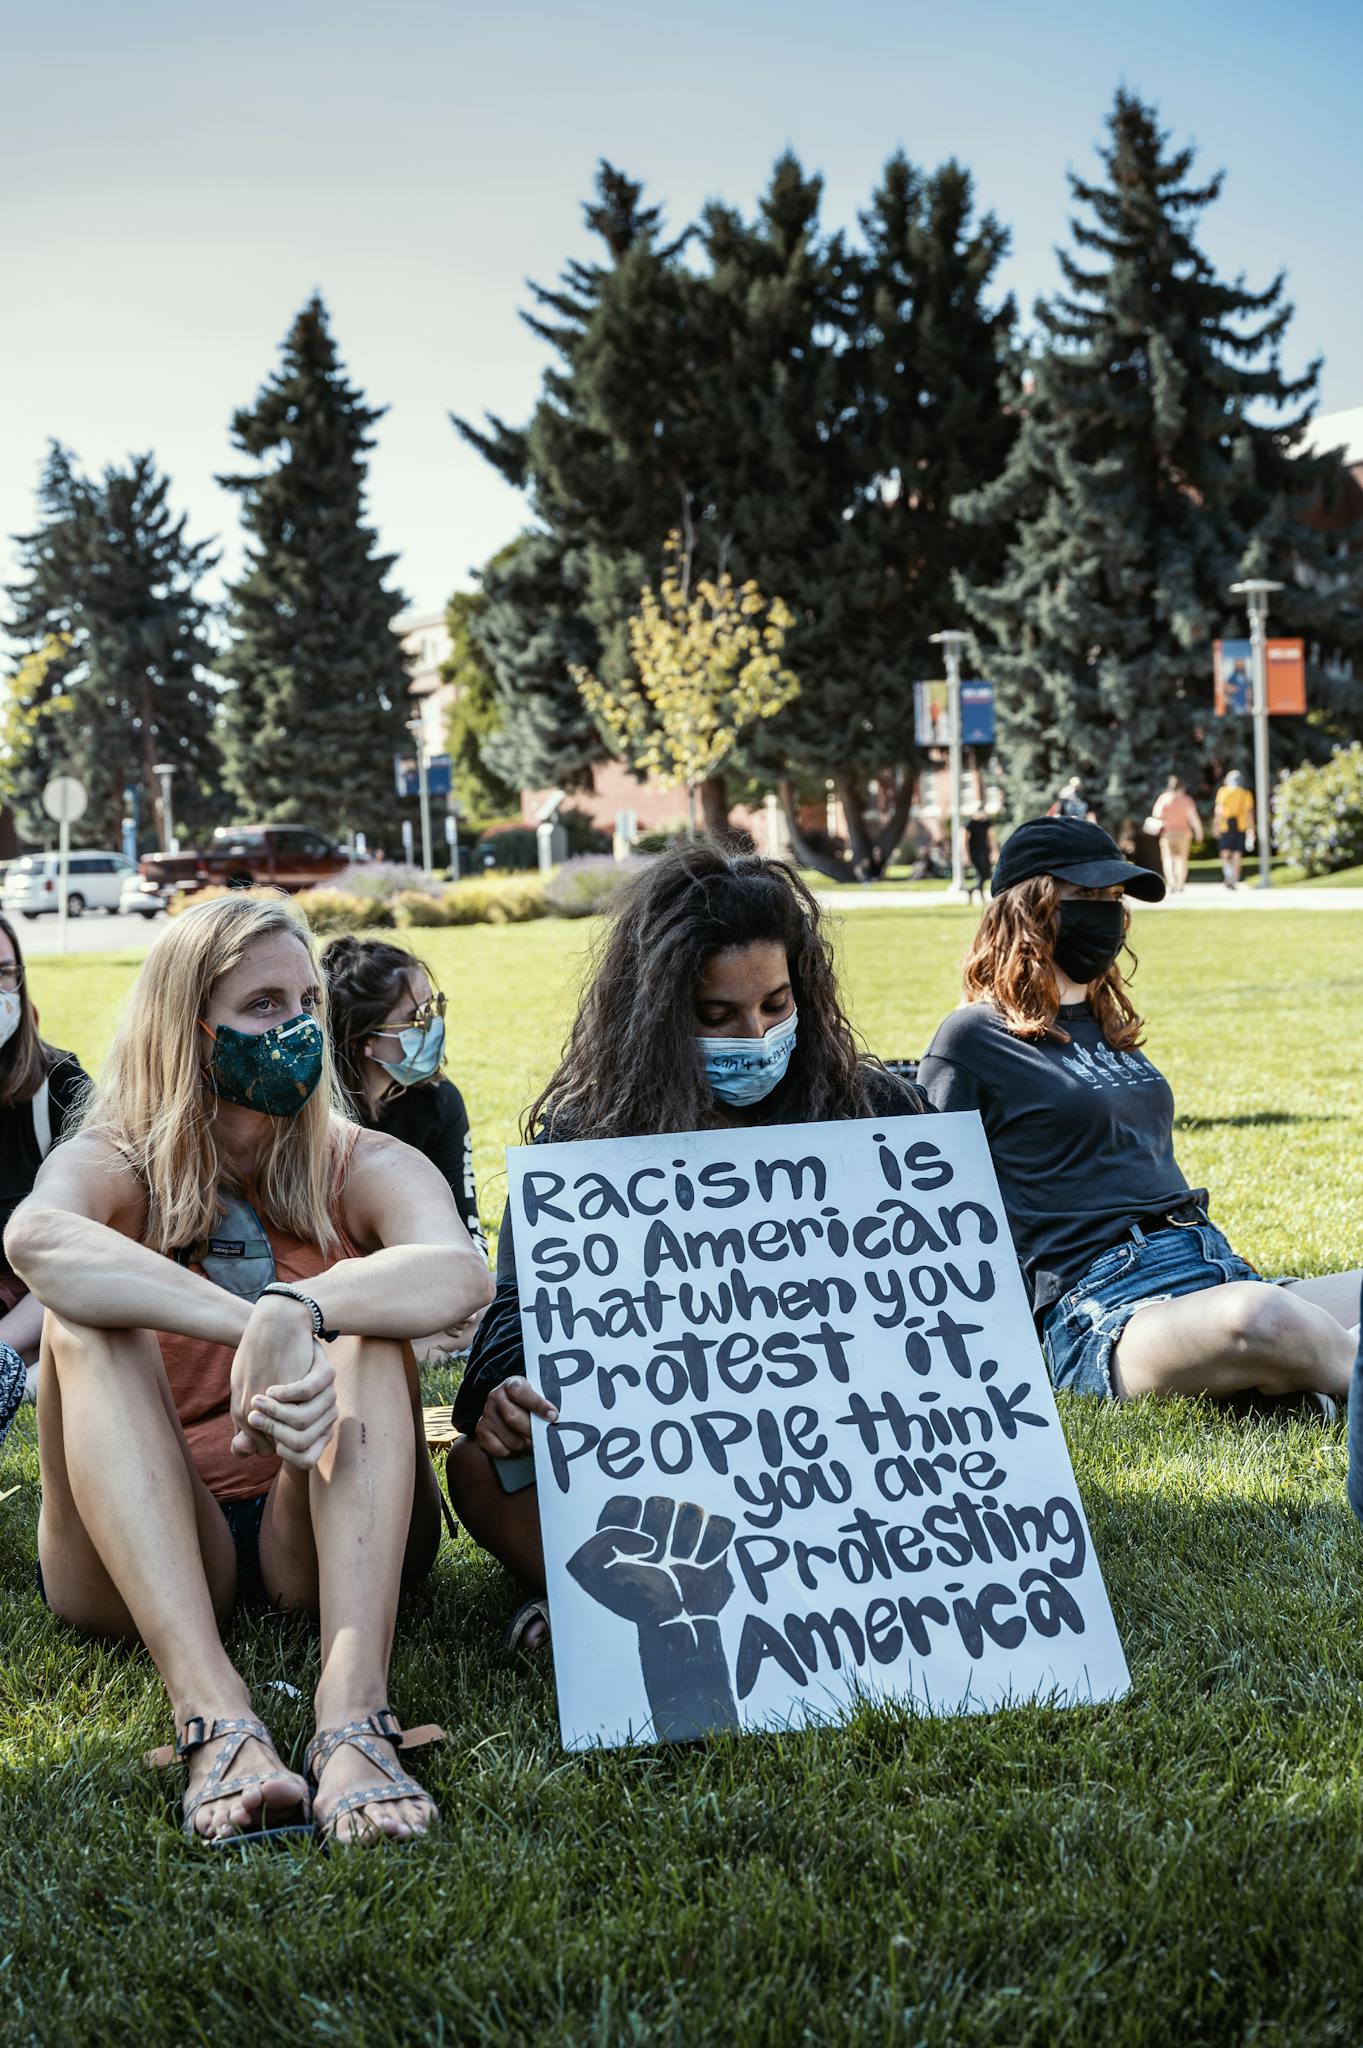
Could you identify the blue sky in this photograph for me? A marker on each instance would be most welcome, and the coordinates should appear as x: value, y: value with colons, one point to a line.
x: 175, y: 179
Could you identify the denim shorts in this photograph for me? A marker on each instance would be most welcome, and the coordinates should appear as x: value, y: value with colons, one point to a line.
x: 1081, y: 1332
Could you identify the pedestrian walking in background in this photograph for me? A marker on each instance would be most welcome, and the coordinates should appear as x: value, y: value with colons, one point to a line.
x: 1174, y: 820
x: 1072, y: 803
x: 981, y: 850
x: 1232, y: 824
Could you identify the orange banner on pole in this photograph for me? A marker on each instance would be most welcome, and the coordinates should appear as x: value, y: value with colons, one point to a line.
x: 1286, y: 676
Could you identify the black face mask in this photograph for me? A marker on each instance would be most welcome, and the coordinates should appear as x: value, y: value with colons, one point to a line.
x: 1090, y: 936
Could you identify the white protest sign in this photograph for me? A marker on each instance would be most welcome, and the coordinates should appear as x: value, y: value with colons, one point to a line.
x: 807, y: 1448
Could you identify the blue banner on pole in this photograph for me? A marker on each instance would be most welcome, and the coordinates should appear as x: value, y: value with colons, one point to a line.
x: 407, y: 775
x: 977, y: 714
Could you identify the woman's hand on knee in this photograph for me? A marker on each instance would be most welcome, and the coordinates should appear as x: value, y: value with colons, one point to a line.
x: 278, y: 1351
x: 297, y: 1420
x: 504, y: 1426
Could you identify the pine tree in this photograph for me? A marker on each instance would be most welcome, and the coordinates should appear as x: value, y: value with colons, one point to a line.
x: 806, y: 413
x: 318, y: 702
x: 604, y: 479
x: 1146, y: 478
x: 474, y: 716
x: 532, y: 634
x: 118, y: 672
x: 843, y: 465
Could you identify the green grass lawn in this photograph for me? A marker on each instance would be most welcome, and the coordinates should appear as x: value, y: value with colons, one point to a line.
x: 1184, y: 1867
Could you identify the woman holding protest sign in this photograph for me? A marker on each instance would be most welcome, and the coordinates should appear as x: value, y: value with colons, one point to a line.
x: 1135, y: 1290
x: 232, y: 1274
x: 714, y: 1004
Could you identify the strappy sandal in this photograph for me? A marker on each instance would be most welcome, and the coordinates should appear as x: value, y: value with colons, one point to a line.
x: 395, y: 1783
x: 526, y: 1615
x: 233, y: 1735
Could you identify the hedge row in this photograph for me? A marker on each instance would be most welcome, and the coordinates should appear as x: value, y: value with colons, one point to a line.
x: 579, y: 888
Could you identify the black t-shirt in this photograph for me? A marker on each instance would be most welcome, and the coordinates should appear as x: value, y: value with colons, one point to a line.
x: 1082, y: 1137
x: 20, y: 1157
x: 432, y: 1119
x: 498, y: 1350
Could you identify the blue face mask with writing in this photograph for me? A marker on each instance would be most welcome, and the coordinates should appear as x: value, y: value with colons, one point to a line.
x: 744, y: 1070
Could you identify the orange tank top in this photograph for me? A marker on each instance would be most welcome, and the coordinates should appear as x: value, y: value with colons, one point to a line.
x: 200, y: 1372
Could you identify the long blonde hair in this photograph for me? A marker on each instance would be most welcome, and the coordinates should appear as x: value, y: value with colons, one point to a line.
x: 154, y: 1102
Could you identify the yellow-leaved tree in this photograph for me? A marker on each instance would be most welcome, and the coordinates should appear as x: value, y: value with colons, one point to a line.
x: 707, y: 669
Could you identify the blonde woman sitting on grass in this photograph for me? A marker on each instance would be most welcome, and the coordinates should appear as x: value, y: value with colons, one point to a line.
x: 193, y: 1436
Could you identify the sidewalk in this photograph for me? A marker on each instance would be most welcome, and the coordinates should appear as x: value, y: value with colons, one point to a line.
x: 1197, y: 896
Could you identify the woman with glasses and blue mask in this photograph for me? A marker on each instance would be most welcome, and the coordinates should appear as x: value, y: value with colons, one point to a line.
x: 233, y: 1274
x: 40, y: 1093
x: 388, y: 1039
x: 714, y: 1004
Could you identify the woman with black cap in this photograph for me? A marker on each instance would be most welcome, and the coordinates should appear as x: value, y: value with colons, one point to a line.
x: 1134, y: 1288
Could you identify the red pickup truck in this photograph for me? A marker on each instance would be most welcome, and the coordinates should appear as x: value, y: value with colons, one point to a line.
x: 288, y: 856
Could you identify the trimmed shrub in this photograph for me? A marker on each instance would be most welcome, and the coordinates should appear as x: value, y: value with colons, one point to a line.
x: 494, y: 899
x: 382, y: 878
x: 1318, y: 813
x: 581, y: 888
x: 417, y: 907
x: 339, y: 910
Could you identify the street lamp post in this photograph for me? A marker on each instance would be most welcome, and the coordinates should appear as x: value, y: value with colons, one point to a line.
x: 951, y: 643
x: 163, y: 771
x: 423, y: 793
x: 1256, y: 591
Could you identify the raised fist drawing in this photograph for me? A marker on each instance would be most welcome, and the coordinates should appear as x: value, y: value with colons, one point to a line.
x: 664, y: 1565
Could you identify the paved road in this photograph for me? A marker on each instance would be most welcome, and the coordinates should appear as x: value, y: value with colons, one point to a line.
x: 95, y: 932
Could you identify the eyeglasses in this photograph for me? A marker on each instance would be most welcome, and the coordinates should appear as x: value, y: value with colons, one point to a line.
x: 419, y: 1019
x: 11, y: 978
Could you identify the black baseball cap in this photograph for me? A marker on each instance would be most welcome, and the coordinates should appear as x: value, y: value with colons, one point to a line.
x: 1073, y: 851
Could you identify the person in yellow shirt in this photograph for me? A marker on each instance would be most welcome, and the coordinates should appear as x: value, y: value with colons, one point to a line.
x: 1232, y: 825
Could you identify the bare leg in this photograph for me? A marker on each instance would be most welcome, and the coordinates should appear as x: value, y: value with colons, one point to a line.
x: 1227, y: 1340
x: 335, y: 1539
x: 135, y: 1545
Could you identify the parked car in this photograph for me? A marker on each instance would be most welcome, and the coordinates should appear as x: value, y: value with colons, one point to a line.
x: 94, y: 881
x: 290, y: 857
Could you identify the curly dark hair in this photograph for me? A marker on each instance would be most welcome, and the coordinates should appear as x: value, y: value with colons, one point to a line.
x: 364, y: 977
x: 631, y: 1067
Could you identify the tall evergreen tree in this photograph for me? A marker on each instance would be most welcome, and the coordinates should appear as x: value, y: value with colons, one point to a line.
x: 605, y: 480
x: 318, y: 702
x: 806, y: 413
x: 866, y: 394
x: 532, y: 634
x: 1150, y: 472
x: 118, y: 674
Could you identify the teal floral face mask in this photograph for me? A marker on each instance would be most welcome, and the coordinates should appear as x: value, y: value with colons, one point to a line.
x: 273, y: 1071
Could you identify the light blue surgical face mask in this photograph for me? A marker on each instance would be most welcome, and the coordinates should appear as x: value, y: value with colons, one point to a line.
x: 423, y: 1048
x: 744, y: 1070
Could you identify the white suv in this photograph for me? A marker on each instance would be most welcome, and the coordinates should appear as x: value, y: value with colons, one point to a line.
x: 94, y: 881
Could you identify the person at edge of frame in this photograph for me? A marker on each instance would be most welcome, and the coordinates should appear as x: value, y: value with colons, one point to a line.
x: 1134, y: 1288
x: 714, y: 1005
x: 41, y: 1090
